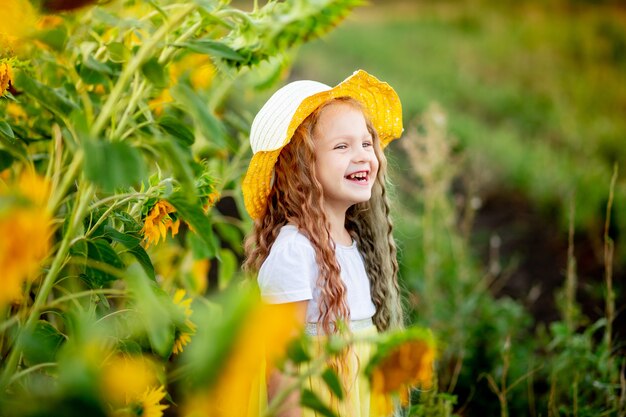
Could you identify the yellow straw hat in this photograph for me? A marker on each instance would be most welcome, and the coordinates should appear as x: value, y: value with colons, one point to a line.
x: 276, y: 122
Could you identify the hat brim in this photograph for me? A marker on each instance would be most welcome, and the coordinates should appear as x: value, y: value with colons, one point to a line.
x: 379, y: 100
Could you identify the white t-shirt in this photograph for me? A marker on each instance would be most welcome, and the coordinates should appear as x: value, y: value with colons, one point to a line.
x: 290, y: 274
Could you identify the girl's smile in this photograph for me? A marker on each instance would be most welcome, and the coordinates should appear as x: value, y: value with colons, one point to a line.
x: 361, y: 177
x: 346, y: 164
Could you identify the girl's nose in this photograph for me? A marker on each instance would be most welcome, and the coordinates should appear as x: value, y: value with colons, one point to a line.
x: 363, y: 155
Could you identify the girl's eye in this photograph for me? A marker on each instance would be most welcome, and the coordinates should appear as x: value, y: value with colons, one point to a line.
x: 367, y: 144
x: 341, y: 146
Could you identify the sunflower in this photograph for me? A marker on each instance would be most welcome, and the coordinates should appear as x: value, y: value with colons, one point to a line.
x: 199, y: 272
x: 211, y: 199
x: 6, y: 77
x: 148, y: 404
x: 263, y: 337
x: 157, y: 104
x: 125, y: 377
x: 26, y: 229
x: 402, y: 362
x: 158, y: 221
x: 15, y: 111
x: 18, y: 19
x: 182, y: 338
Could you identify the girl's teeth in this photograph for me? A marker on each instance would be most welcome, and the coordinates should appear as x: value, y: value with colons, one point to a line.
x: 358, y: 176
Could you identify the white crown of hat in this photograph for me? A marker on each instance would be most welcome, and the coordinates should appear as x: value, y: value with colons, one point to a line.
x: 270, y: 125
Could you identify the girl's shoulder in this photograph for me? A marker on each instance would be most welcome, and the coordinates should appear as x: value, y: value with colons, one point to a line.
x: 289, y: 235
x: 289, y: 271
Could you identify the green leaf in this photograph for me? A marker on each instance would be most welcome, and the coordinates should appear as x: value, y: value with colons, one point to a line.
x: 129, y: 346
x: 6, y: 131
x: 227, y: 267
x: 5, y: 160
x: 332, y: 381
x: 49, y: 98
x: 154, y: 72
x: 208, y: 124
x: 213, y: 48
x: 93, y: 71
x: 117, y: 52
x: 133, y: 244
x: 310, y: 400
x: 219, y: 326
x: 154, y: 307
x: 144, y: 260
x: 130, y: 224
x: 113, y: 164
x: 92, y: 218
x: 180, y: 159
x: 41, y: 343
x: 190, y: 210
x: 177, y: 129
x: 230, y: 234
x: 199, y: 248
x: 130, y: 241
x: 101, y: 251
x: 55, y: 37
x: 12, y: 147
x: 97, y: 66
x: 297, y: 351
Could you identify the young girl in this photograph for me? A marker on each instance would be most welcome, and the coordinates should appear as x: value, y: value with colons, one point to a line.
x: 322, y: 235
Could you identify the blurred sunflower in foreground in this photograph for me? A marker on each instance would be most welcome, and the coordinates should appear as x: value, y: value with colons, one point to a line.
x: 26, y: 229
x: 403, y: 361
x: 146, y: 405
x: 259, y: 343
x: 18, y: 19
x: 183, y: 337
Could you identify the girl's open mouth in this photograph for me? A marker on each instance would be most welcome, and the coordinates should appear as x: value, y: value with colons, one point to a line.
x: 359, y: 177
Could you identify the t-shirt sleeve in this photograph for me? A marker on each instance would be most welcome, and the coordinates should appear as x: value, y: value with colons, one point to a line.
x: 287, y: 273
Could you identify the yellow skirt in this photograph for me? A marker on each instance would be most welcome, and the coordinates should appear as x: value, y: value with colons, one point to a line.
x: 356, y: 401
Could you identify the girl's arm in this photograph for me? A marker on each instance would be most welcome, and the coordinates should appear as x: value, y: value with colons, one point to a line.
x: 278, y: 381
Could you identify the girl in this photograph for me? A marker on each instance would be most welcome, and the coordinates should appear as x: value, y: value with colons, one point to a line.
x: 322, y: 235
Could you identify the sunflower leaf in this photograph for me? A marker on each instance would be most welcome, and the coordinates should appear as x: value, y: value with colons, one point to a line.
x: 310, y: 400
x: 41, y: 343
x: 113, y: 165
x: 154, y: 307
x: 132, y: 243
x: 100, y: 251
x: 332, y: 381
x: 190, y: 210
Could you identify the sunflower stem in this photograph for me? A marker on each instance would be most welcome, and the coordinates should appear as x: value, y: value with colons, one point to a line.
x: 140, y: 89
x: 142, y: 55
x: 68, y: 178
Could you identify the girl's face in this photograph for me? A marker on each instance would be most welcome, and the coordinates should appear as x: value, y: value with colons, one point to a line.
x: 346, y: 162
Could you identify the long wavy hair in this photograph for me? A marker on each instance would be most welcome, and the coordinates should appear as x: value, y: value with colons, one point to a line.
x: 297, y: 198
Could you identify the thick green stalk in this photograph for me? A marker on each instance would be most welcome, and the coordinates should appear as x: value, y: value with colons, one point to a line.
x: 68, y: 179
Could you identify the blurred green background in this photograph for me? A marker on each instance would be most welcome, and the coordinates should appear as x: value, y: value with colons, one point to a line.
x: 533, y: 95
